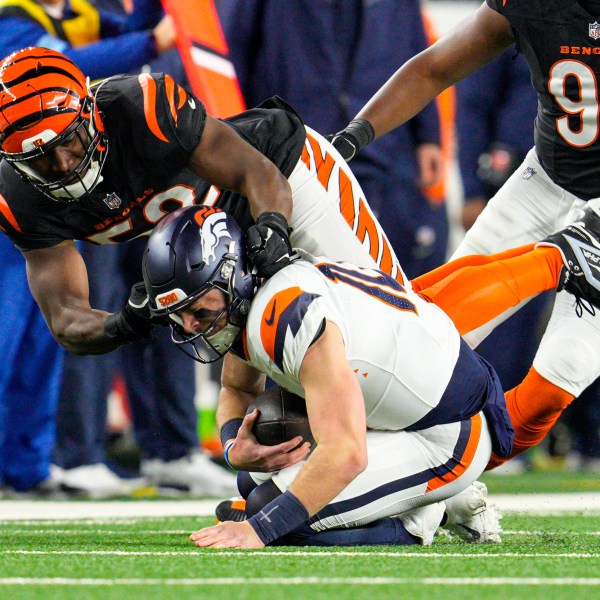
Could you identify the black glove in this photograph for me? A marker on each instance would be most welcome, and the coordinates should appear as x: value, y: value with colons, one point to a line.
x: 356, y: 135
x: 133, y: 321
x: 269, y: 246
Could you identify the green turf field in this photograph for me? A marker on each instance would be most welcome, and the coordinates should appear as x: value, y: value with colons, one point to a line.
x: 541, y: 557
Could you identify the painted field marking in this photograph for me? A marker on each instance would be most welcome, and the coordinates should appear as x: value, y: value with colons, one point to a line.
x: 265, y: 553
x: 532, y: 581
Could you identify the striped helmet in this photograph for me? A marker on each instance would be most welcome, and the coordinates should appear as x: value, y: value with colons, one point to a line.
x: 45, y: 102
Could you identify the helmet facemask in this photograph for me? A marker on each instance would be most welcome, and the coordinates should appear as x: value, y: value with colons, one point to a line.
x: 215, y: 340
x: 84, y: 177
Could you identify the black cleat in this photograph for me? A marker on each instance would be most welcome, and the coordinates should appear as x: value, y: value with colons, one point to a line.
x: 233, y: 509
x: 579, y: 245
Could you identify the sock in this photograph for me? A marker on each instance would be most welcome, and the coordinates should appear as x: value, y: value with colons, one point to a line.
x: 473, y: 295
x: 383, y: 532
x: 534, y: 406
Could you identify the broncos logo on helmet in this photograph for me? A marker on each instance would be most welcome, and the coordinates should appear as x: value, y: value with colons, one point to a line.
x: 189, y: 253
x: 45, y: 102
x: 213, y: 228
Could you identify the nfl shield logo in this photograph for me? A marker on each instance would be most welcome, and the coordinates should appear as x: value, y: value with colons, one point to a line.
x: 594, y: 30
x: 528, y: 173
x: 112, y: 201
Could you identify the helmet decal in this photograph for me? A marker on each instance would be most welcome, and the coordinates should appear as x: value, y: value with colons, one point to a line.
x: 213, y: 228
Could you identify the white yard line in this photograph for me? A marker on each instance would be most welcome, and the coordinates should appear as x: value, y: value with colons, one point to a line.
x: 57, y: 511
x: 297, y: 553
x: 531, y: 581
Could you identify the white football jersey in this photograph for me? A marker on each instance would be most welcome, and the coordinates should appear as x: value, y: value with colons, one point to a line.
x: 402, y: 348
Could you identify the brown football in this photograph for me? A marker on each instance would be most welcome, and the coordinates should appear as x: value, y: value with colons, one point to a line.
x: 282, y: 417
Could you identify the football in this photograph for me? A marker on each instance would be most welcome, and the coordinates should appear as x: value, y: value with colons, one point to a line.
x: 282, y: 417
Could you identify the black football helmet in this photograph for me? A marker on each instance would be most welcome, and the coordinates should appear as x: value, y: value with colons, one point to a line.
x: 192, y: 251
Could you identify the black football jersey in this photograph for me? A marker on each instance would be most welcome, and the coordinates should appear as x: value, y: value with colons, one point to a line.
x: 153, y: 125
x: 561, y: 42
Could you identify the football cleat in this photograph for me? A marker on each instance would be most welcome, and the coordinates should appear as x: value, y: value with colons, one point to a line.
x: 579, y: 245
x: 233, y: 509
x: 423, y: 522
x: 472, y: 516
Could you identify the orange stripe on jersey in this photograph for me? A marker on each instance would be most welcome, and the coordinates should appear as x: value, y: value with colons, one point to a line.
x: 367, y: 227
x: 306, y: 157
x: 8, y: 214
x: 465, y: 460
x: 149, y: 91
x: 182, y: 96
x: 324, y: 164
x: 271, y: 316
x: 347, y: 207
x: 170, y: 89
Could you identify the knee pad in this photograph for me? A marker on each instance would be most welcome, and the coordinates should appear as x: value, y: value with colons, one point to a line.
x: 260, y: 497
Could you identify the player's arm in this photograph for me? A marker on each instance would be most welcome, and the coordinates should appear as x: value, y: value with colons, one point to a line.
x: 59, y: 283
x: 337, y: 418
x: 240, y: 385
x: 226, y: 160
x: 336, y: 413
x: 476, y: 41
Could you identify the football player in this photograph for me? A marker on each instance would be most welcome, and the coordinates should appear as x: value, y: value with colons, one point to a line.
x: 559, y: 40
x: 365, y: 352
x: 106, y: 164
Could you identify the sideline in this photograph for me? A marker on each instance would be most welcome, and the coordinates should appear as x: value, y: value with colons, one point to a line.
x: 42, y: 510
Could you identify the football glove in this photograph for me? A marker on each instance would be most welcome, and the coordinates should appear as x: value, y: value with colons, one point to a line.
x: 269, y: 247
x: 356, y: 135
x: 133, y: 321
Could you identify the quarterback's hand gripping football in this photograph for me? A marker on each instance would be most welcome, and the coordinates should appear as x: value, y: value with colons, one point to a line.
x: 247, y: 454
x: 269, y: 246
x: 356, y: 135
x: 133, y: 321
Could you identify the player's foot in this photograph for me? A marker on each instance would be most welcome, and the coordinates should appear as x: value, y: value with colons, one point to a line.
x: 472, y: 516
x: 233, y: 509
x: 579, y: 245
x: 423, y: 522
x: 194, y: 473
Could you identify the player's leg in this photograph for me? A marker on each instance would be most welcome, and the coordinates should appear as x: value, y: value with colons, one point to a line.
x: 406, y: 472
x: 527, y: 208
x: 331, y: 216
x: 475, y: 294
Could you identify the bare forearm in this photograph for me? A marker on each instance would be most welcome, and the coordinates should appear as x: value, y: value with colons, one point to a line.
x: 326, y: 473
x: 269, y: 191
x: 82, y: 331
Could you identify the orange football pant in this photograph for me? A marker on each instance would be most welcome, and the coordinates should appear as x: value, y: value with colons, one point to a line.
x: 472, y: 290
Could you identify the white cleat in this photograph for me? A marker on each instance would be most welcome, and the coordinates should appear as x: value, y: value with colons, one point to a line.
x: 472, y: 516
x: 424, y: 521
x: 194, y: 473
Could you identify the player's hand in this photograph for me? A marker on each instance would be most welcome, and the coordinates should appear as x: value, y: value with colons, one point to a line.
x: 133, y: 321
x: 164, y: 34
x: 228, y: 534
x: 357, y: 134
x: 247, y: 454
x: 269, y: 246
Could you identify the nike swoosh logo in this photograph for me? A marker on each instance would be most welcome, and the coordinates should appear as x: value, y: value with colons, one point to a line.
x: 271, y: 319
x: 192, y: 103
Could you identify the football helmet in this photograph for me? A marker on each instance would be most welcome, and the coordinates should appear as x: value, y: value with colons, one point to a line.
x: 45, y: 102
x: 189, y: 253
